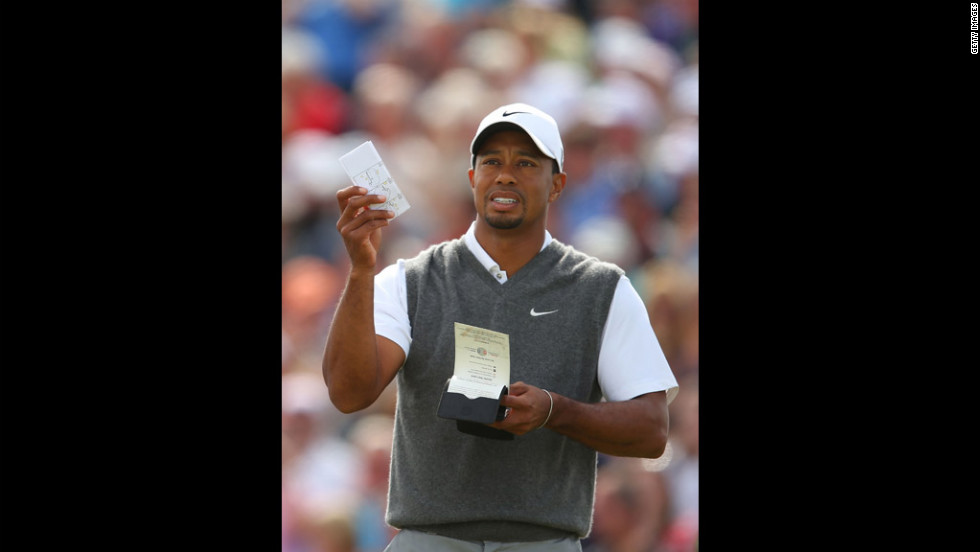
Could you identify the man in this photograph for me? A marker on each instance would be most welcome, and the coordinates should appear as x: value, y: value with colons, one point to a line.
x: 578, y: 334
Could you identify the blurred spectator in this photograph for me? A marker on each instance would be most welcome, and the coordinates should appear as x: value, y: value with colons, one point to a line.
x: 500, y: 56
x: 319, y: 462
x: 557, y: 86
x: 329, y: 529
x: 448, y: 110
x: 630, y: 508
x: 671, y: 291
x: 674, y: 22
x: 616, y: 113
x: 309, y: 101
x: 623, y: 44
x: 671, y: 157
x: 372, y: 435
x: 319, y: 466
x: 347, y: 31
x: 310, y: 288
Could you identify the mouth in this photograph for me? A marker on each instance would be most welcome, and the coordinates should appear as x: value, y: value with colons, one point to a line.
x: 504, y: 201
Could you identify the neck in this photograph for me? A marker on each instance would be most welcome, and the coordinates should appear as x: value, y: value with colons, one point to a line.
x: 511, y: 249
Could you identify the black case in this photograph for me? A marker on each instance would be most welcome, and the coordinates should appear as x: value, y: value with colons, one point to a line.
x: 471, y: 415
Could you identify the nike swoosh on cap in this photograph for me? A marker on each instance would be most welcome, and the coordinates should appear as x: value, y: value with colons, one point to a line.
x: 509, y: 113
x: 541, y: 313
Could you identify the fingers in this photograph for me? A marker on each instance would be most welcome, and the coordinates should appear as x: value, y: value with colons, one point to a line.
x: 344, y: 195
x: 359, y: 224
x: 514, y: 392
x: 527, y: 411
x: 354, y: 201
x: 356, y: 215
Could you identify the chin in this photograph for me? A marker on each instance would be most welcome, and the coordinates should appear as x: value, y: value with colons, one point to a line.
x: 503, y: 222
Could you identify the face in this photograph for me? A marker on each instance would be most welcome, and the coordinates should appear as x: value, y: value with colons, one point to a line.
x: 512, y: 181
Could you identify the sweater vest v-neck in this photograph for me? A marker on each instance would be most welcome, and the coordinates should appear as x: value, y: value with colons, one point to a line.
x: 540, y: 485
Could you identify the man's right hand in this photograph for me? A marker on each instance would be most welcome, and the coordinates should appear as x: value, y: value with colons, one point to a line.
x: 360, y: 226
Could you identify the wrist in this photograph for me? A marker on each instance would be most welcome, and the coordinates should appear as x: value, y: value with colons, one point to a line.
x: 361, y: 273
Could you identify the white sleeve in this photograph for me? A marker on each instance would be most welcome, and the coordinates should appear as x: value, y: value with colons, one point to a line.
x: 631, y: 361
x: 391, y: 305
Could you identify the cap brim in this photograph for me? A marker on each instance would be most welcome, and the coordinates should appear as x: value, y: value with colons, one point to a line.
x: 495, y: 127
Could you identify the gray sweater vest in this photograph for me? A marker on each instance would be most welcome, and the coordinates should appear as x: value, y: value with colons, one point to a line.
x: 540, y: 485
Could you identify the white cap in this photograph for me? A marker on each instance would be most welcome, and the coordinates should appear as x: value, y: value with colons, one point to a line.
x: 540, y: 126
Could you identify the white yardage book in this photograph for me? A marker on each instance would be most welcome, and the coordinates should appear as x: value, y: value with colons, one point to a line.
x: 366, y: 169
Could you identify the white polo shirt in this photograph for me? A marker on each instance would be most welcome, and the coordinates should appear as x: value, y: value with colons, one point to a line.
x: 631, y: 361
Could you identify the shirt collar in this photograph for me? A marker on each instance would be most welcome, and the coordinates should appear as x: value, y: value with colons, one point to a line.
x: 469, y: 238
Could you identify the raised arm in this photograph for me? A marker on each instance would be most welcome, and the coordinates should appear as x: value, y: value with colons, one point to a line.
x: 357, y: 364
x: 636, y: 427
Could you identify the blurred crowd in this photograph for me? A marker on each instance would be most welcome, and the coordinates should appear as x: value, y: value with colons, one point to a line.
x: 415, y: 77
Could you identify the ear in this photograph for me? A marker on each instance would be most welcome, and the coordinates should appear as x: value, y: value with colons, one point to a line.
x: 472, y: 183
x: 557, y: 185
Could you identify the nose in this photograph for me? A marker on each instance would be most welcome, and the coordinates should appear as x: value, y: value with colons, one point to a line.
x: 505, y: 176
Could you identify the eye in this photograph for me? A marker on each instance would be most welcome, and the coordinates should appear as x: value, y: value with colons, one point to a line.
x: 490, y: 161
x: 525, y: 163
